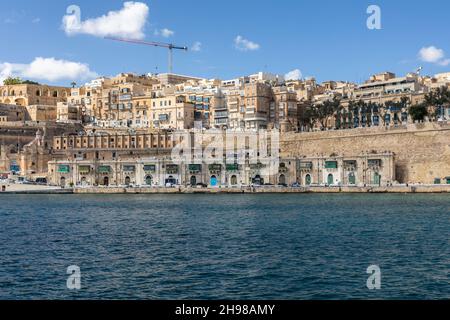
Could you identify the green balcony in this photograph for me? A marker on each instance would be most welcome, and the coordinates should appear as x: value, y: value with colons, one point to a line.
x: 63, y: 169
x: 104, y: 169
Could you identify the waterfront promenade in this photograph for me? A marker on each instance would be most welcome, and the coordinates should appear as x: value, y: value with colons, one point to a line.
x: 38, y: 189
x: 266, y: 189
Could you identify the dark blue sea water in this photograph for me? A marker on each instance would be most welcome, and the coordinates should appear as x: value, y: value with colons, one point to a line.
x: 225, y: 246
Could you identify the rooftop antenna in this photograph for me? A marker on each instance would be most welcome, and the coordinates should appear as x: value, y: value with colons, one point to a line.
x: 418, y: 70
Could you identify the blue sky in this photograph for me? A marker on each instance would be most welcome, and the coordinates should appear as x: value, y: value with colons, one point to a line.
x: 325, y: 39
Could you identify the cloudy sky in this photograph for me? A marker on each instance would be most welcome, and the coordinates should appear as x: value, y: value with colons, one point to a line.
x: 64, y: 41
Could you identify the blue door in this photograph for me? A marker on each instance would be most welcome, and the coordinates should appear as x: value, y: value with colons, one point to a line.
x: 213, y: 181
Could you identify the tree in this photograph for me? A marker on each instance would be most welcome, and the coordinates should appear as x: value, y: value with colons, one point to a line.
x: 29, y: 82
x: 12, y: 81
x: 436, y: 100
x: 73, y: 84
x: 326, y: 110
x: 308, y: 116
x: 418, y: 112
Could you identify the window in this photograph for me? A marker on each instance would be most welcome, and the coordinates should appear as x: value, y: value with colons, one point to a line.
x: 331, y: 165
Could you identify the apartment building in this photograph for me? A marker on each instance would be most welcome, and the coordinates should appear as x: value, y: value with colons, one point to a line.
x: 284, y: 109
x: 257, y: 100
x: 387, y: 84
x: 172, y: 112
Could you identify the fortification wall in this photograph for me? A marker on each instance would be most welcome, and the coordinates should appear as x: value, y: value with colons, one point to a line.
x: 422, y: 151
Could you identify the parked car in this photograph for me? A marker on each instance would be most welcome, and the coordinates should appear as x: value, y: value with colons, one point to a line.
x: 41, y: 181
x: 202, y: 185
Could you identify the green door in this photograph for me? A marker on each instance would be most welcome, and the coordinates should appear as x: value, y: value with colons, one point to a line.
x: 352, y: 179
x: 330, y: 179
x: 308, y: 180
x: 377, y: 179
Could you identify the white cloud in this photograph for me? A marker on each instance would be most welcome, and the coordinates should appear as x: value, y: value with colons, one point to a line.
x: 36, y: 20
x: 433, y: 55
x: 166, y: 33
x: 48, y: 69
x: 196, y: 47
x: 243, y: 44
x: 444, y: 62
x: 293, y: 75
x: 129, y: 22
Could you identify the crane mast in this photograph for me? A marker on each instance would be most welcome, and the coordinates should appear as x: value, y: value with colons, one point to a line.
x: 168, y: 46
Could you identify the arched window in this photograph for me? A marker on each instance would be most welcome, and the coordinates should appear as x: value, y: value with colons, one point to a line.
x: 308, y: 180
x: 234, y: 180
x: 330, y: 179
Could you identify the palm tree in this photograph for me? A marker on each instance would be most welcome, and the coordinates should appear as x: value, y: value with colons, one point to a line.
x: 73, y: 84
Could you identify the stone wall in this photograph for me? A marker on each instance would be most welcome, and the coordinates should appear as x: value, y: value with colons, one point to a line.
x: 422, y: 151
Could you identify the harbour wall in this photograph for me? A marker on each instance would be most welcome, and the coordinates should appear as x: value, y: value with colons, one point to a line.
x: 263, y: 190
x: 422, y: 151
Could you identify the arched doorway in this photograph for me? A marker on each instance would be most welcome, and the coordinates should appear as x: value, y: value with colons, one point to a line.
x: 377, y: 179
x: 257, y: 180
x: 171, y: 181
x: 127, y: 181
x: 62, y: 182
x: 351, y: 178
x: 106, y: 181
x: 193, y: 181
x: 83, y: 181
x: 213, y: 181
x: 308, y: 180
x: 234, y: 180
x: 282, y: 179
x: 148, y: 180
x: 330, y: 179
